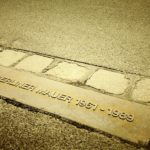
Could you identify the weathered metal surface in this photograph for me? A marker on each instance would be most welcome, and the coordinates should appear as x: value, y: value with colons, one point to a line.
x: 118, y: 117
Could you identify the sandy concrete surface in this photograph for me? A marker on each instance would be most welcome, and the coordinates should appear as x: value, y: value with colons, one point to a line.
x: 110, y: 33
x: 22, y: 129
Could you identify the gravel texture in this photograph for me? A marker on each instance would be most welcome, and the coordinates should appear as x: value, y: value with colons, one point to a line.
x: 24, y: 129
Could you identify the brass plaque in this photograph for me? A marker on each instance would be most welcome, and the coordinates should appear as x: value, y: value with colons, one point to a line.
x: 127, y: 120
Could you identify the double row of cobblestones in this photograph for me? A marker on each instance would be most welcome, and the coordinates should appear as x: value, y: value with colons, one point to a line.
x: 124, y: 85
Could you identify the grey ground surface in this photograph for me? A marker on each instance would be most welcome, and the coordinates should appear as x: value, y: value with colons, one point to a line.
x: 21, y: 129
x: 110, y: 33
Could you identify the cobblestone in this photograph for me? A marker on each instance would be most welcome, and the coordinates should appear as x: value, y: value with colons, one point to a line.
x: 71, y: 72
x: 86, y: 107
x: 105, y: 80
x: 34, y: 63
x: 109, y: 81
x: 142, y: 91
x: 8, y: 57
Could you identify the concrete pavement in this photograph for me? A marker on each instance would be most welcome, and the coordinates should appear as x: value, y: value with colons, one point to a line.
x: 28, y: 129
x: 114, y: 34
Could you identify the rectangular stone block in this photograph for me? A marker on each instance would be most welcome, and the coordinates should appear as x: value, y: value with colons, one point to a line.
x: 142, y: 91
x: 125, y: 119
x: 34, y: 63
x: 108, y: 81
x: 70, y: 72
x: 9, y: 57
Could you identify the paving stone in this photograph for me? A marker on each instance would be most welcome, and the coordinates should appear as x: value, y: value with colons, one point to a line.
x: 109, y: 81
x: 142, y: 91
x: 71, y: 72
x: 34, y: 63
x: 113, y: 115
x: 9, y: 57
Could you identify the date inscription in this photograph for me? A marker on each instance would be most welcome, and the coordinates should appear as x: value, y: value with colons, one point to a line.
x: 87, y: 105
x: 121, y: 115
x: 69, y: 99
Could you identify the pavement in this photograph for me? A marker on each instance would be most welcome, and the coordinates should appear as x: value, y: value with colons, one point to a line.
x: 113, y: 34
x: 111, y: 82
x: 28, y: 129
x: 102, y: 46
x: 33, y: 85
